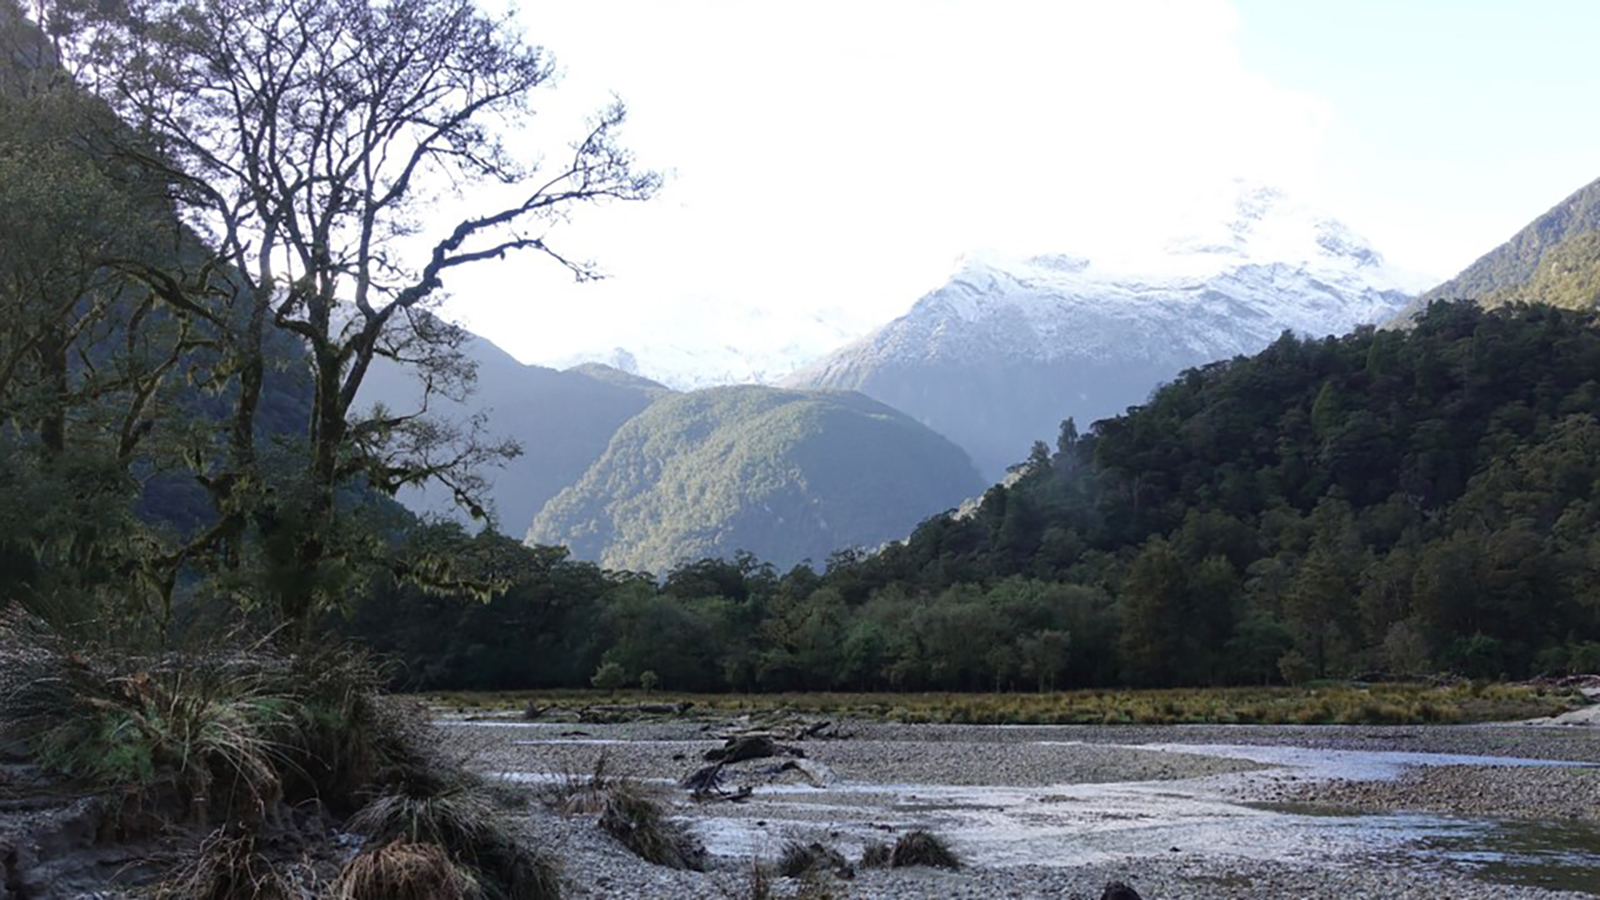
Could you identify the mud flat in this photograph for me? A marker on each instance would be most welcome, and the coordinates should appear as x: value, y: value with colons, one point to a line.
x: 1175, y: 811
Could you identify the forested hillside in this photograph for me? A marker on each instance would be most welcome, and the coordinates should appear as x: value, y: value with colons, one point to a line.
x: 1553, y: 260
x: 1386, y: 501
x: 787, y: 475
x: 560, y: 421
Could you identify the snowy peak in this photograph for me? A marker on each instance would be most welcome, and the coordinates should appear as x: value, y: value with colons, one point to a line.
x: 1288, y: 265
x: 1252, y: 223
x: 1012, y: 344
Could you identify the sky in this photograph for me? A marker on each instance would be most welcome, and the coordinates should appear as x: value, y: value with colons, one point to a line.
x: 833, y: 160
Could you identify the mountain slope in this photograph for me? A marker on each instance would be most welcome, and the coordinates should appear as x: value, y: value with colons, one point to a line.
x: 787, y: 475
x: 1552, y: 260
x: 1008, y: 348
x: 562, y: 420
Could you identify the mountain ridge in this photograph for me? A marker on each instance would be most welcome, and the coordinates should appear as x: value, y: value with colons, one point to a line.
x: 1518, y: 270
x: 1008, y: 347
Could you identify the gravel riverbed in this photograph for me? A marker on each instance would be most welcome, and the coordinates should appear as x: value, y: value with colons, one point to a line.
x: 1058, y: 811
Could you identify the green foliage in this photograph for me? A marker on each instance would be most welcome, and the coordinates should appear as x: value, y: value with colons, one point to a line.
x: 1319, y: 701
x: 1412, y: 501
x: 1550, y: 261
x: 609, y: 676
x: 788, y: 475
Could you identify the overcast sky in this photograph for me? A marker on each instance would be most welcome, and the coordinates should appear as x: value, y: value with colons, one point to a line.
x: 842, y: 155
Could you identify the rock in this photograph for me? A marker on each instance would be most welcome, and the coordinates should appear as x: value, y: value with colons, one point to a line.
x: 1118, y: 890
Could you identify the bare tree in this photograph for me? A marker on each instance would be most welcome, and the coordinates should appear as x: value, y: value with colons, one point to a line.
x: 305, y: 141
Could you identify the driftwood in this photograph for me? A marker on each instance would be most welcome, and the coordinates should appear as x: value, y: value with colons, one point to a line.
x: 705, y: 785
x: 607, y: 713
x: 781, y: 726
x: 750, y: 746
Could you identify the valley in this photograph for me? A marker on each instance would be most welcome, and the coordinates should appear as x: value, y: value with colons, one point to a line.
x: 1171, y: 543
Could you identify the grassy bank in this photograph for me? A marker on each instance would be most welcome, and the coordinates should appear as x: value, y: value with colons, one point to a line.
x: 1351, y: 704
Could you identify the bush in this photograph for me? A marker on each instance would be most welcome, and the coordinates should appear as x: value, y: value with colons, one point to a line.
x: 609, y: 677
x: 1584, y: 658
x: 1477, y: 656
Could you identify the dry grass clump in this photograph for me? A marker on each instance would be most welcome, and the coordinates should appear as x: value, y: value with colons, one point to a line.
x: 459, y: 819
x: 634, y: 817
x: 629, y: 812
x: 798, y: 860
x: 226, y: 867
x: 402, y: 870
x: 922, y: 848
x: 875, y: 855
x: 426, y: 813
x: 579, y: 795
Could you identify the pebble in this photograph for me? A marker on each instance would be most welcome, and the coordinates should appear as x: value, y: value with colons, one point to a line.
x: 597, y: 867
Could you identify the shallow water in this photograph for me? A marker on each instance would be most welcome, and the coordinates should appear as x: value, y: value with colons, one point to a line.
x: 1079, y: 824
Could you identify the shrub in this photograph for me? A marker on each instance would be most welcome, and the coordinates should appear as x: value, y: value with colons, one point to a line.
x: 609, y: 677
x: 875, y: 855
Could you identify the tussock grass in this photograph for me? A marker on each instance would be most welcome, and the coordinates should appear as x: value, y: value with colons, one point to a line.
x: 574, y: 795
x: 799, y: 860
x: 875, y: 855
x: 922, y: 848
x: 629, y: 812
x: 1319, y: 703
x: 212, y: 728
x: 460, y: 820
x: 226, y: 866
x: 402, y: 871
x: 238, y: 734
x: 635, y: 817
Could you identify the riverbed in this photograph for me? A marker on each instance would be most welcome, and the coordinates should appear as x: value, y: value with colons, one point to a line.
x: 1191, y: 811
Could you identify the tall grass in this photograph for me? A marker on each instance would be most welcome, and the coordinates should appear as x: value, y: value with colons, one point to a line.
x: 237, y: 735
x: 1327, y: 703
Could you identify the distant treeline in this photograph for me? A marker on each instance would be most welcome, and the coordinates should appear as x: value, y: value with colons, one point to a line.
x: 1388, y: 501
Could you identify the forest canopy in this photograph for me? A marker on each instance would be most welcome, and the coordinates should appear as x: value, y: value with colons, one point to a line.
x: 1403, y: 502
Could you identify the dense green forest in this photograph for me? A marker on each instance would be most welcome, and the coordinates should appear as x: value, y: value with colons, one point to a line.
x: 783, y: 474
x: 1386, y: 501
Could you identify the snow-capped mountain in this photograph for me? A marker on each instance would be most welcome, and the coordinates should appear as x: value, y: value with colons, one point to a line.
x: 1009, y: 347
x: 700, y: 343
